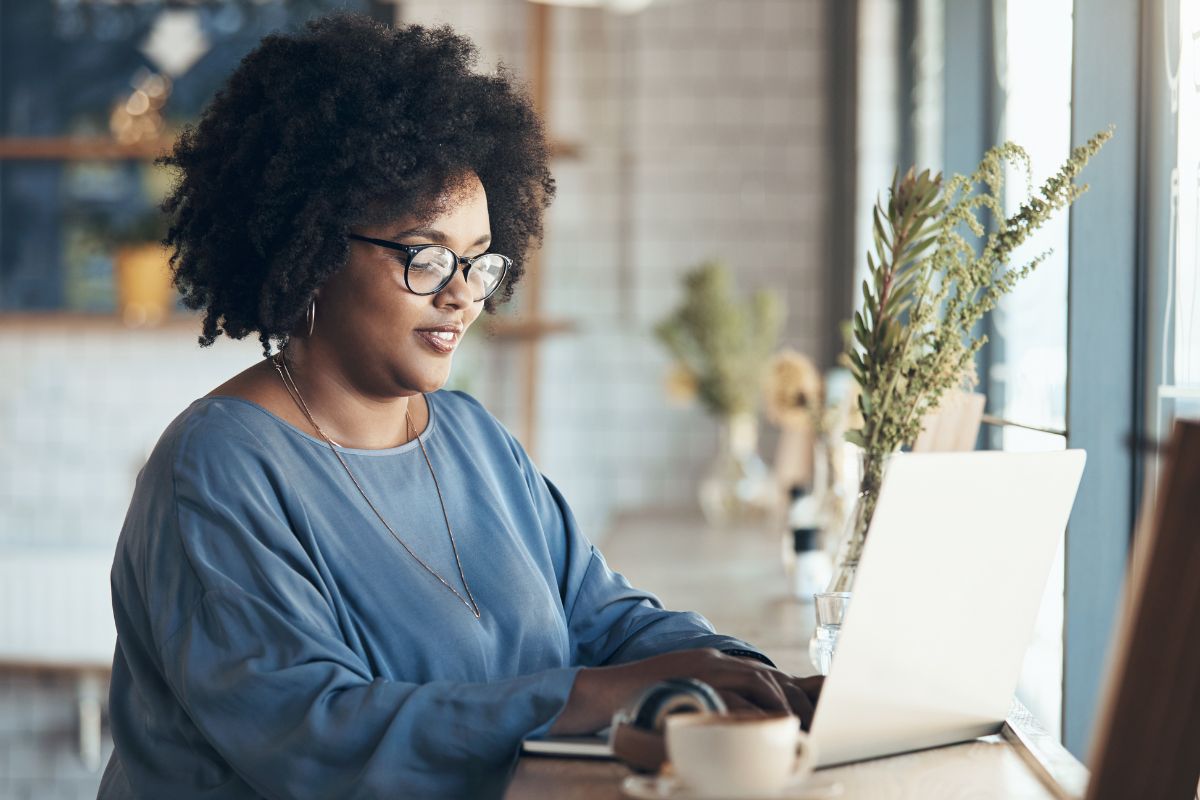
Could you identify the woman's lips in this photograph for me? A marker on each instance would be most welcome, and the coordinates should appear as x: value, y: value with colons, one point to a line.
x: 439, y: 341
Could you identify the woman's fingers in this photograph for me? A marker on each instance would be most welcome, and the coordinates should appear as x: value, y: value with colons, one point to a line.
x: 745, y: 684
x: 761, y: 688
x: 735, y: 702
x: 754, y: 682
x: 811, y: 686
x: 772, y: 690
x: 801, y: 704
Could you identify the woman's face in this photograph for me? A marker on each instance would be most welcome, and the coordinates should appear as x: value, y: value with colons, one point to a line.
x: 381, y: 334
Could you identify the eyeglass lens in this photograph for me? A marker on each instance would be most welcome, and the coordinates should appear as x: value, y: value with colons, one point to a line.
x: 433, y: 267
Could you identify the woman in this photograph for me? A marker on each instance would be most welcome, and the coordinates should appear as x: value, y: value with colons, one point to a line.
x: 335, y: 580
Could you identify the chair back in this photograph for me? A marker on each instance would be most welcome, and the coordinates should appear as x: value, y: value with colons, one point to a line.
x: 1148, y: 732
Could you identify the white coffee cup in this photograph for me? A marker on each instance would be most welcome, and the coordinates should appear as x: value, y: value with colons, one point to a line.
x: 736, y: 755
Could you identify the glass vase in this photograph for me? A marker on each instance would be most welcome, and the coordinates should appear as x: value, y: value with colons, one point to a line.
x: 738, y: 487
x: 854, y: 535
x: 858, y: 521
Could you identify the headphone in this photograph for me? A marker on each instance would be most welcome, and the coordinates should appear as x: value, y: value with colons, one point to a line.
x: 637, y: 733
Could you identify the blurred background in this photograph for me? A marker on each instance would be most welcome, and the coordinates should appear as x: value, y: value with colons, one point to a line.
x: 753, y: 133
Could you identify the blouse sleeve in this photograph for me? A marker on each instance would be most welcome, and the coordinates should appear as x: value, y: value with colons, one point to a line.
x: 297, y: 715
x: 610, y: 621
x: 259, y: 664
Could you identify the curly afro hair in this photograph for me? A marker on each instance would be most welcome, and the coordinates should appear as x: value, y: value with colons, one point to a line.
x: 345, y: 123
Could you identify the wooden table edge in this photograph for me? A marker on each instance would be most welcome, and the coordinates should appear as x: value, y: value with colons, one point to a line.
x: 1054, y: 765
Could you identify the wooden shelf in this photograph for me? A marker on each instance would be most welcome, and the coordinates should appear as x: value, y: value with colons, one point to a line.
x: 84, y: 320
x: 568, y: 150
x: 508, y: 329
x: 78, y: 148
x: 102, y: 148
x: 526, y: 330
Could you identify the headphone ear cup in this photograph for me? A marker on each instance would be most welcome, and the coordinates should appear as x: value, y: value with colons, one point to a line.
x: 637, y: 734
x: 674, y: 696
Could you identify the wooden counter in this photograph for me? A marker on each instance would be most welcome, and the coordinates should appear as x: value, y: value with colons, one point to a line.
x: 736, y: 580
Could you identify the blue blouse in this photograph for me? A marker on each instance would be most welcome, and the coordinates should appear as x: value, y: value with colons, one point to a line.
x: 274, y: 640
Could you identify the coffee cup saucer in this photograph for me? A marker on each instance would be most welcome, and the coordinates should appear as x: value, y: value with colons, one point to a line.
x: 669, y: 787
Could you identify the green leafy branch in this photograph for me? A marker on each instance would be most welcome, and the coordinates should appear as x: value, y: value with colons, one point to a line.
x: 914, y: 336
x: 723, y: 343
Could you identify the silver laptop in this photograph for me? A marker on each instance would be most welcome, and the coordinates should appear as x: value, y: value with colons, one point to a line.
x: 956, y: 560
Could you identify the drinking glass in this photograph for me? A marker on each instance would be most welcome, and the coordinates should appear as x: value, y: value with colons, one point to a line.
x: 830, y: 609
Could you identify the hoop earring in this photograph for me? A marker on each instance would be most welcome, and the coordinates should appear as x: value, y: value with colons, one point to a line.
x: 311, y: 315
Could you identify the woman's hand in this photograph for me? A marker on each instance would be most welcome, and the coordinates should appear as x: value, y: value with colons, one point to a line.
x: 744, y: 684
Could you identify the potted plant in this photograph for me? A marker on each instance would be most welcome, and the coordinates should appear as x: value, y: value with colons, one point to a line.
x: 721, y: 347
x: 145, y: 294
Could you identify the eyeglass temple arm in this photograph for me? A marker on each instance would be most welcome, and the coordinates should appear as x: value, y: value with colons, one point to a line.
x: 404, y: 248
x: 410, y: 248
x: 466, y: 262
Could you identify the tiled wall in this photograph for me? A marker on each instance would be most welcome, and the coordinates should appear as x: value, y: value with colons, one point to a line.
x: 702, y: 128
x: 80, y: 409
x: 39, y: 745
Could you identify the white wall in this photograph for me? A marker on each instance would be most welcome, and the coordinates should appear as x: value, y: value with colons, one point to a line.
x: 80, y: 409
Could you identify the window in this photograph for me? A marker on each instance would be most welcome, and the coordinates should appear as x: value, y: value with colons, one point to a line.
x: 1172, y: 337
x: 1027, y: 377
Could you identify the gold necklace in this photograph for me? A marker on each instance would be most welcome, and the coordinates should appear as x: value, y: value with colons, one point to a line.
x: 285, y: 375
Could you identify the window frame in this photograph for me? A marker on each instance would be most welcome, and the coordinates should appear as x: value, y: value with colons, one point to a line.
x: 1106, y: 268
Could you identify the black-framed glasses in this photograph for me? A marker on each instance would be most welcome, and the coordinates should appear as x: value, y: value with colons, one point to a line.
x: 429, y: 268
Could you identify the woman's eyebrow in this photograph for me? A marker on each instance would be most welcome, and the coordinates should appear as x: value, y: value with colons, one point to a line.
x: 434, y: 235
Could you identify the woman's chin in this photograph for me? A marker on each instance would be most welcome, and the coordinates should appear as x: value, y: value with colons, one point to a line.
x: 430, y: 380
